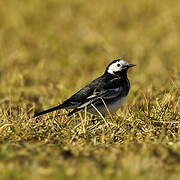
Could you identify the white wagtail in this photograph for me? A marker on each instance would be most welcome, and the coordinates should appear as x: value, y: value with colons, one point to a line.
x: 106, y: 93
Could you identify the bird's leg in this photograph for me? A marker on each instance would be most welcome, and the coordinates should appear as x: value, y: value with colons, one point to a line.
x: 93, y: 119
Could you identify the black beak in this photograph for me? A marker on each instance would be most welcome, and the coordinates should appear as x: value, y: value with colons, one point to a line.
x: 131, y: 65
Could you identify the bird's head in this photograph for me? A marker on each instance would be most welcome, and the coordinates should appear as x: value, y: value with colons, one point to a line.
x: 118, y: 67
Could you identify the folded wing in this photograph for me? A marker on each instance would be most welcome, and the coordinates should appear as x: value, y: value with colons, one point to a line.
x: 106, y: 93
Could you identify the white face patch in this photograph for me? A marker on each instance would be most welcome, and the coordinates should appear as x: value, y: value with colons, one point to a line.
x: 117, y: 66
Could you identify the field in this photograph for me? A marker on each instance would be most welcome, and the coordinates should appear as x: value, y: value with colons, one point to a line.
x: 49, y: 50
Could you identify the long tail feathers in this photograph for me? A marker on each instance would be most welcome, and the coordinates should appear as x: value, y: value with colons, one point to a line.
x: 48, y: 110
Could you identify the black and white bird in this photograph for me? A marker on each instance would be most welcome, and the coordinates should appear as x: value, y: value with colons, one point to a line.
x: 107, y: 91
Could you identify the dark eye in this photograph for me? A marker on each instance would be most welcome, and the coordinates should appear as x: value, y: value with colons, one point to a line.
x: 118, y: 65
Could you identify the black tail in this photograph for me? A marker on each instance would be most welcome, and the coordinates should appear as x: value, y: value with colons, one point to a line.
x: 48, y: 110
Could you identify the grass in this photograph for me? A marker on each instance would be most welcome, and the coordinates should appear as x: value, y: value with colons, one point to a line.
x: 49, y: 50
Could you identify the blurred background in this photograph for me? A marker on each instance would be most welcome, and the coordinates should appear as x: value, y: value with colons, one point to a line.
x: 51, y: 48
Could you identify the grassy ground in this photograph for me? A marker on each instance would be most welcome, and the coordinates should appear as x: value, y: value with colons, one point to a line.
x: 49, y: 49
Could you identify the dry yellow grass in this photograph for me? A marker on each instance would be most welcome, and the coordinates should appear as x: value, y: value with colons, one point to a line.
x: 49, y: 50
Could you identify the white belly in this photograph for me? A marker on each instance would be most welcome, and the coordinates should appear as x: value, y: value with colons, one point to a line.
x: 113, y: 107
